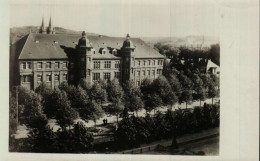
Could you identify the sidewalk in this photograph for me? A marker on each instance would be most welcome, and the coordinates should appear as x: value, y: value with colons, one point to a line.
x: 182, y: 140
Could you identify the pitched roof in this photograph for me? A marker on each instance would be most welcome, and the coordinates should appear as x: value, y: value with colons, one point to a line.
x: 45, y: 46
x: 211, y: 65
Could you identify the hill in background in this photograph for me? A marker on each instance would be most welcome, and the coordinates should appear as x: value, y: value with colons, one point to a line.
x: 16, y: 33
x: 189, y: 41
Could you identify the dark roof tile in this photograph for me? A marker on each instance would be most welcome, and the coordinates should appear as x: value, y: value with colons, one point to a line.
x: 43, y: 46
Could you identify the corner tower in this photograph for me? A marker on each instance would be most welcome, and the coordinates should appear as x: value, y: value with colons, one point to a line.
x: 84, y: 59
x: 128, y: 58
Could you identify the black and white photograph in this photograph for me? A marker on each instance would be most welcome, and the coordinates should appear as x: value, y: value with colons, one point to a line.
x: 116, y: 77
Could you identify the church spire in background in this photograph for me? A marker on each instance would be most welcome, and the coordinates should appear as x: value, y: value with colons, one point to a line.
x: 42, y: 28
x: 50, y: 29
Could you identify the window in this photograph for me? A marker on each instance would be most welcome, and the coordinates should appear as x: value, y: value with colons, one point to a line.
x: 138, y: 73
x: 94, y: 52
x: 64, y: 64
x: 144, y: 62
x: 48, y: 78
x: 154, y: 62
x: 117, y: 75
x: 148, y: 72
x: 29, y: 65
x: 107, y: 64
x: 65, y: 77
x: 89, y: 59
x: 153, y: 72
x: 96, y: 64
x: 138, y: 83
x: 104, y: 51
x: 56, y: 77
x: 106, y: 76
x: 24, y: 65
x: 143, y: 72
x: 117, y: 65
x: 114, y: 52
x: 160, y: 62
x: 96, y: 76
x: 48, y: 65
x: 39, y: 78
x: 57, y: 65
x: 139, y: 63
x: 88, y: 72
x: 26, y: 78
x: 149, y: 62
x: 39, y: 65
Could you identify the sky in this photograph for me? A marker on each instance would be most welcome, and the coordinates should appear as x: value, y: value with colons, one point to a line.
x: 139, y: 18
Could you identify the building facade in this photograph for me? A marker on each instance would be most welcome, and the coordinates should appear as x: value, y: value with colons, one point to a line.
x: 54, y: 58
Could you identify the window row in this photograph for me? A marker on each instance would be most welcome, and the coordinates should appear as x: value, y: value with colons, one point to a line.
x: 104, y: 51
x: 149, y: 62
x: 49, y: 77
x: 106, y: 76
x: 148, y: 72
x: 48, y: 65
x: 107, y: 64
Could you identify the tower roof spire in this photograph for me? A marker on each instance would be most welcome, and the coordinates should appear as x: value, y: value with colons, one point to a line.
x: 50, y: 23
x: 42, y: 26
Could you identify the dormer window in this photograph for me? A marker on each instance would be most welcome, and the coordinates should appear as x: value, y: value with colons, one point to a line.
x: 114, y: 52
x: 104, y: 51
x: 93, y: 51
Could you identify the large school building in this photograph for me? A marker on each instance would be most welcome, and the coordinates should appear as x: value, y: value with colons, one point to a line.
x: 54, y: 58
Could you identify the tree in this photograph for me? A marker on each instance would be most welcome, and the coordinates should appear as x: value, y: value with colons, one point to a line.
x: 98, y: 93
x: 152, y: 102
x: 84, y: 84
x: 175, y: 84
x: 46, y: 94
x: 185, y: 81
x: 214, y: 53
x: 132, y: 97
x: 115, y: 91
x: 77, y: 96
x: 186, y: 96
x: 115, y: 96
x: 199, y: 87
x: 116, y: 109
x: 31, y: 114
x: 163, y: 89
x: 146, y: 87
x: 42, y: 140
x: 13, y: 123
x: 82, y: 138
x: 64, y: 114
x: 97, y: 111
x: 212, y: 92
